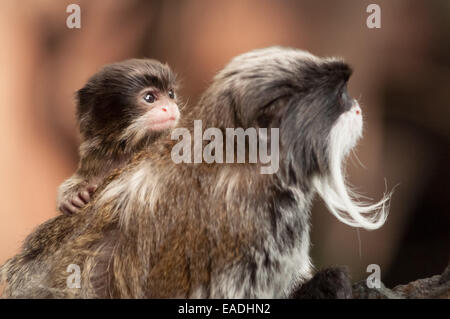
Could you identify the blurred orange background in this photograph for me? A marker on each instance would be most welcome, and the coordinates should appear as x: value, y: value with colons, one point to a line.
x: 402, y: 78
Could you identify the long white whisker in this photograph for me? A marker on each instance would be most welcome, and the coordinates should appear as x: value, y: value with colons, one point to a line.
x: 339, y: 198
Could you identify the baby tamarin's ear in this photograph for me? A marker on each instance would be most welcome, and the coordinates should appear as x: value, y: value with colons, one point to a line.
x: 121, y: 110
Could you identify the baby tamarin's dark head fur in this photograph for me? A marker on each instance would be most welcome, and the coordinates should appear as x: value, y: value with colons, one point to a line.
x: 112, y: 105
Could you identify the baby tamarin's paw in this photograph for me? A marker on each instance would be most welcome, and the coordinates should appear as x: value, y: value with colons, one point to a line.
x: 75, y: 202
x: 329, y: 283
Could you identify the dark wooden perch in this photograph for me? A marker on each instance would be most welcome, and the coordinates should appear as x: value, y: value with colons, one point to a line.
x: 433, y: 287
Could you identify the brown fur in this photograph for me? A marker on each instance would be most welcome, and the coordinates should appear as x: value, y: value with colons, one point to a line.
x: 156, y: 229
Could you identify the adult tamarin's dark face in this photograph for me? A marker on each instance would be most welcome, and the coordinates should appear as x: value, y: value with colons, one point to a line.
x: 306, y: 98
x: 128, y: 101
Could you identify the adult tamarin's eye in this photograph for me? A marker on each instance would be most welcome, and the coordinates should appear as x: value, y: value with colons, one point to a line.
x: 171, y: 94
x: 149, y: 98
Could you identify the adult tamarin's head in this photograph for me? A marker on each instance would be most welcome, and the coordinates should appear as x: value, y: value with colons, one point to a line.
x: 305, y: 97
x: 128, y: 102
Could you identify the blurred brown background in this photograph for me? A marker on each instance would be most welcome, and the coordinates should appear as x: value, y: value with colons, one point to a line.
x: 402, y: 77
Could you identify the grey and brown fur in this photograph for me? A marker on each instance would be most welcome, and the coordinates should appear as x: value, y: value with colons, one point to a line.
x: 106, y: 108
x: 156, y: 229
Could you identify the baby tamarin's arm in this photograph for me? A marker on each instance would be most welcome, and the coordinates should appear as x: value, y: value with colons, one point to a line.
x: 122, y: 109
x: 96, y: 163
x: 74, y: 193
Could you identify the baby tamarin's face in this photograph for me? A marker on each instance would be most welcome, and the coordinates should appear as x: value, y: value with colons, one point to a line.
x: 159, y: 109
x: 128, y: 102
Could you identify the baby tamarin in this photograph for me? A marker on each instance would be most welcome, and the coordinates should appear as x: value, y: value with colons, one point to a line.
x: 121, y: 110
x: 158, y: 229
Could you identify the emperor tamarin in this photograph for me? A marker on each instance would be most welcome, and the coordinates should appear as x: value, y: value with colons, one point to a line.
x: 160, y: 229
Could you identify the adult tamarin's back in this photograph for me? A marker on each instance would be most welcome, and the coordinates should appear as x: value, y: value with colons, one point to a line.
x: 162, y: 229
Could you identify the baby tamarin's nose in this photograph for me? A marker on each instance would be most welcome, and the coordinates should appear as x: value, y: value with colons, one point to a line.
x: 168, y: 110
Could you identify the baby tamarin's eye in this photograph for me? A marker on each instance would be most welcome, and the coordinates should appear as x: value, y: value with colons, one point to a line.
x: 171, y: 94
x: 149, y: 98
